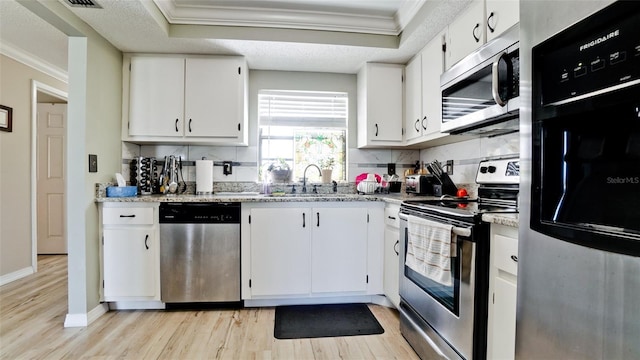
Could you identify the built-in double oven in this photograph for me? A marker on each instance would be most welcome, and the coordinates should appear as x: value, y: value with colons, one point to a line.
x: 586, y: 133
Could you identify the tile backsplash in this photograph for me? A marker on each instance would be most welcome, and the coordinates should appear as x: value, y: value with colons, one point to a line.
x: 245, y: 164
x: 467, y: 154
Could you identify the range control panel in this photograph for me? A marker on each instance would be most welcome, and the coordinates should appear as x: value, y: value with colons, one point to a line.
x: 589, y: 61
x: 502, y: 171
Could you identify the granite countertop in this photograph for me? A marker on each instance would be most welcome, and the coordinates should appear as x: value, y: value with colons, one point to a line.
x: 502, y: 219
x: 392, y: 198
x: 253, y: 197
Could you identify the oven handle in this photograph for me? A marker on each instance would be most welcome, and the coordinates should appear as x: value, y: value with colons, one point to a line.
x: 465, y: 232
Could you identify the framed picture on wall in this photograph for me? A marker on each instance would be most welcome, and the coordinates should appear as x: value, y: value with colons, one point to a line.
x: 5, y: 118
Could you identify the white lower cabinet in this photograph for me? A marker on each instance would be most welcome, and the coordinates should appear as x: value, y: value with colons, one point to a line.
x: 280, y: 248
x: 129, y: 262
x: 130, y: 253
x: 391, y: 254
x: 503, y: 280
x: 322, y: 249
x: 338, y: 250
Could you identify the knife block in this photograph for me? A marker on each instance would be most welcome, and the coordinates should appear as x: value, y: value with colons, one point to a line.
x: 448, y: 187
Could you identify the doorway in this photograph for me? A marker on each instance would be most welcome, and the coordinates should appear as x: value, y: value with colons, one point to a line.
x: 49, y: 121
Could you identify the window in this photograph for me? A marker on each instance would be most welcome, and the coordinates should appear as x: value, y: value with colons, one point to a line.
x: 301, y: 128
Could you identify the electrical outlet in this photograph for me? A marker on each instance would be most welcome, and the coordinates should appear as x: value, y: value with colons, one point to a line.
x: 449, y: 166
x: 227, y: 167
x: 93, y: 163
x: 391, y: 168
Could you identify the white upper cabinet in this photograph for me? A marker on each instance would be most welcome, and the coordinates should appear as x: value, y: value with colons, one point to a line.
x: 466, y: 33
x: 481, y: 21
x: 380, y: 105
x: 422, y: 93
x: 156, y: 97
x: 187, y: 99
x: 501, y: 15
x: 214, y: 97
x: 413, y: 98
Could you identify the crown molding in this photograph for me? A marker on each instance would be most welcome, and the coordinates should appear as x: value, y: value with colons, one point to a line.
x: 285, y: 18
x: 407, y: 12
x: 33, y: 61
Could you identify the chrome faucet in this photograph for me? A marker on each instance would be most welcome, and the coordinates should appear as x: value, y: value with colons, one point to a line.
x: 304, y: 176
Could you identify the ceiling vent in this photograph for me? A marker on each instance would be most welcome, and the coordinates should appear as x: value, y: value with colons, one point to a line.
x: 84, y: 4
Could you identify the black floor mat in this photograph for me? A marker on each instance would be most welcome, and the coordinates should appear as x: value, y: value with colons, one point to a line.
x: 312, y: 321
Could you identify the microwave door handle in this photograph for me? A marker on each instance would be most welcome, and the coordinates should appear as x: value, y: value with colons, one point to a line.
x: 495, y: 80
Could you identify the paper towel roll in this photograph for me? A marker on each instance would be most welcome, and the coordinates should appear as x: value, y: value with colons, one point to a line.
x: 204, y: 176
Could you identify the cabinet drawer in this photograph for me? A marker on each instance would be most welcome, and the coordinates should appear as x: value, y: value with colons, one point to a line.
x: 391, y: 216
x: 506, y: 254
x: 128, y: 216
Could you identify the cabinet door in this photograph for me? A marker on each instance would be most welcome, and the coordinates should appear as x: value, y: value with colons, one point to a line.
x: 466, y: 33
x: 501, y: 15
x: 503, y: 343
x: 339, y: 250
x: 128, y: 263
x: 413, y: 98
x: 391, y: 264
x: 503, y: 280
x: 384, y: 102
x: 156, y: 96
x: 280, y: 251
x: 214, y: 97
x: 432, y: 68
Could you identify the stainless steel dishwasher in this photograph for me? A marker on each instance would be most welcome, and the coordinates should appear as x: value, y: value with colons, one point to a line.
x: 200, y: 252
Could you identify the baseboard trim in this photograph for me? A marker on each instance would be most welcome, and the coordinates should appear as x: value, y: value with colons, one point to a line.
x: 96, y: 312
x: 83, y: 320
x: 76, y: 320
x: 373, y: 299
x: 16, y: 275
x: 135, y: 305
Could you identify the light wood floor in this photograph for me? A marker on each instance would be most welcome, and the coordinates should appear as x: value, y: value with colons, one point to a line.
x: 32, y: 312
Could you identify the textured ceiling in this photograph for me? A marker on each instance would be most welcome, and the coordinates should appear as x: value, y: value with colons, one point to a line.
x: 22, y: 29
x: 138, y: 26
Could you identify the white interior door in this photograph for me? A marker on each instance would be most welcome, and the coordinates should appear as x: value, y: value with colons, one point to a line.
x: 52, y: 119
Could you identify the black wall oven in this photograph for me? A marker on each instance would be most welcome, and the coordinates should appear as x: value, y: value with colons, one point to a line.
x: 586, y: 133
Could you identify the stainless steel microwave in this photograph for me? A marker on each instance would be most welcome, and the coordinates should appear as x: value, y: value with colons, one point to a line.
x: 481, y: 93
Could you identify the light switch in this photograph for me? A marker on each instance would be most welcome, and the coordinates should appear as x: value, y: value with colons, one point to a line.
x: 93, y: 163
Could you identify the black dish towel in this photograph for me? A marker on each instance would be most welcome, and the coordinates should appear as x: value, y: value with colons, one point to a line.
x: 312, y: 321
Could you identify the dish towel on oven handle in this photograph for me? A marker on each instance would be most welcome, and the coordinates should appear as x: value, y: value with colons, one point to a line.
x: 430, y: 247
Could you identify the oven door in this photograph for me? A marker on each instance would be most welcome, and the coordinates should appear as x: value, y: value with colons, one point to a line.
x: 448, y: 311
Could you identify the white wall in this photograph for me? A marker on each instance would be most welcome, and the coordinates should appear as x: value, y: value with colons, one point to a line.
x: 15, y: 167
x: 94, y: 109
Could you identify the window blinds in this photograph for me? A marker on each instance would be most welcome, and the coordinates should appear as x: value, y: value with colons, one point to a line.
x: 302, y: 109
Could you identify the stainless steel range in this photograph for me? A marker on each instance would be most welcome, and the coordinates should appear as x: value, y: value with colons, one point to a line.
x: 444, y: 287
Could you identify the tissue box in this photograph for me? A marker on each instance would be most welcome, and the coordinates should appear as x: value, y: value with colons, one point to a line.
x: 122, y: 191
